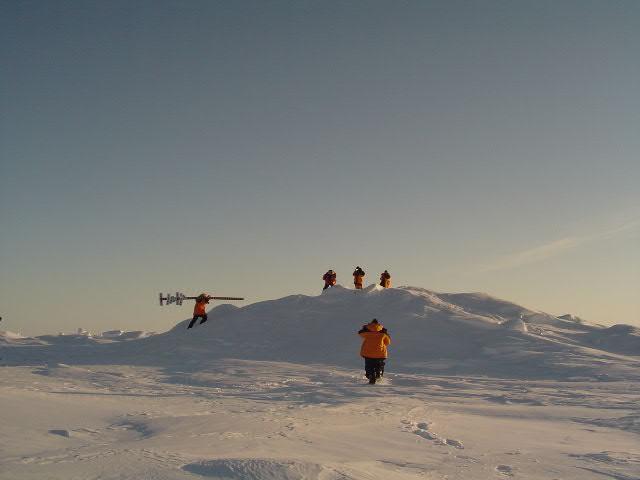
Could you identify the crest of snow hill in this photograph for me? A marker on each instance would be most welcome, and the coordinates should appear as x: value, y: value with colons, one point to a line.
x: 471, y: 333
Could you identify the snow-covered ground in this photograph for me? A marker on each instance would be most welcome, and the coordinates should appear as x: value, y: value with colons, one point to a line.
x: 275, y: 390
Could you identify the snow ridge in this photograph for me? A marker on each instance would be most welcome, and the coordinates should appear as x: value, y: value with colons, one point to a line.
x: 431, y: 332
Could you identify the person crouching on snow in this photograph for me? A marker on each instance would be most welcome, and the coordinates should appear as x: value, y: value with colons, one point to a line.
x: 375, y: 340
x: 199, y: 311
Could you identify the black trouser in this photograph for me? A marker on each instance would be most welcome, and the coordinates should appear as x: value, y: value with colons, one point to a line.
x: 196, y: 317
x: 373, y: 367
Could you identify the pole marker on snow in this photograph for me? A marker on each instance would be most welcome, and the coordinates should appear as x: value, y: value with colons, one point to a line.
x: 179, y: 297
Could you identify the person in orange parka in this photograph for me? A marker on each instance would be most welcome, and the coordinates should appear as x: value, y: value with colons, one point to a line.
x: 358, y: 277
x: 385, y: 279
x: 199, y: 311
x: 375, y: 340
x: 329, y: 279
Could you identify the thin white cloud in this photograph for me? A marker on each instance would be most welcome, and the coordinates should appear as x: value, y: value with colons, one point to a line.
x: 552, y: 249
x: 629, y: 227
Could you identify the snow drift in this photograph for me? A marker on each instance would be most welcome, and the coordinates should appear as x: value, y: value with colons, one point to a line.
x: 471, y: 333
x: 431, y: 332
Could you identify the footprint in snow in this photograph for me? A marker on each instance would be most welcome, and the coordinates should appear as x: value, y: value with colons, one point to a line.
x: 454, y: 443
x: 505, y: 470
x: 426, y: 434
x: 422, y: 430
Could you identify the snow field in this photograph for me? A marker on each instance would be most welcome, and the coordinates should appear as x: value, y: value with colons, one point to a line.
x: 276, y: 391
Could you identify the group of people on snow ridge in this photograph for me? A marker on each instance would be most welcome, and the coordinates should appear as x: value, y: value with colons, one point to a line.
x: 358, y: 279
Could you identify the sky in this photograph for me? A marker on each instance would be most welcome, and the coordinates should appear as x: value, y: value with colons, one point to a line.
x: 244, y: 148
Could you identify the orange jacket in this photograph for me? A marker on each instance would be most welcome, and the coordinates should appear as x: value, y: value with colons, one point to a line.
x: 357, y: 279
x: 201, y: 305
x: 374, y: 341
x: 329, y: 278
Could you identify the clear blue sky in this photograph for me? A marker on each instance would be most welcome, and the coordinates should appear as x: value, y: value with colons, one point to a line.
x: 243, y: 148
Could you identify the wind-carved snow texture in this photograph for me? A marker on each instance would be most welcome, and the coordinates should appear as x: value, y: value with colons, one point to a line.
x: 262, y: 469
x: 475, y: 388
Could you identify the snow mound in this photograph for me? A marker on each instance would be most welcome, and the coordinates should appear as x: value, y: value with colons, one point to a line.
x: 617, y: 338
x: 262, y: 469
x: 8, y: 336
x: 516, y: 324
x: 88, y: 339
x: 132, y: 335
x: 68, y: 339
x: 323, y: 328
x: 431, y: 332
x: 622, y: 329
x: 13, y: 338
x: 486, y: 305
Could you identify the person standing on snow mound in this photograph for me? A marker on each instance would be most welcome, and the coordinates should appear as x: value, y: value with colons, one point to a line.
x: 329, y: 279
x: 385, y: 279
x: 358, y: 277
x: 199, y: 311
x: 375, y: 340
